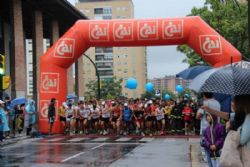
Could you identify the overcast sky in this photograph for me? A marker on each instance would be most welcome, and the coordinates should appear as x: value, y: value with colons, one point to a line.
x: 163, y: 60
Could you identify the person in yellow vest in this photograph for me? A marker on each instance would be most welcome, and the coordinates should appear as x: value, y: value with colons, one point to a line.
x: 62, y: 115
x: 167, y: 116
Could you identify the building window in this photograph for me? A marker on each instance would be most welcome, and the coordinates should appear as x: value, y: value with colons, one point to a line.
x: 103, y: 13
x: 98, y: 11
x: 124, y: 8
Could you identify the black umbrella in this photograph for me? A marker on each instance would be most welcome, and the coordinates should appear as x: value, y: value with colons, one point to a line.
x: 229, y: 80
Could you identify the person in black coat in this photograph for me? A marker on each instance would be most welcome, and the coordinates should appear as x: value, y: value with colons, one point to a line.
x: 51, y: 114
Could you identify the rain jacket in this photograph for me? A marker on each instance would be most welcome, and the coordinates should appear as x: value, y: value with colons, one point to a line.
x: 31, y: 111
x: 218, y: 134
x: 4, y: 127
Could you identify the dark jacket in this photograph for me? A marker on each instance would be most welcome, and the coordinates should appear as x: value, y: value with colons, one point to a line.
x: 51, y: 110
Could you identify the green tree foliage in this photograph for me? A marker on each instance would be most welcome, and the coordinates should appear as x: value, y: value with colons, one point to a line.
x: 110, y: 89
x: 228, y: 19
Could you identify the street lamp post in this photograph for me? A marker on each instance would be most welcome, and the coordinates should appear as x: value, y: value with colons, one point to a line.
x: 98, y: 76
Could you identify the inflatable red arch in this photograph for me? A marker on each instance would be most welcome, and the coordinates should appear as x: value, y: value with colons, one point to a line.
x: 192, y: 31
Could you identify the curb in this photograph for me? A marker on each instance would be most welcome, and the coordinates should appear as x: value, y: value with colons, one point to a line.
x: 195, y: 161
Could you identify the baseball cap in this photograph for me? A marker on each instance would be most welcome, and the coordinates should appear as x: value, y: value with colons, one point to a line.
x: 125, y: 104
x: 2, y: 102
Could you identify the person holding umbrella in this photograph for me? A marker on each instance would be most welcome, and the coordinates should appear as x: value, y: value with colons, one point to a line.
x: 233, y: 81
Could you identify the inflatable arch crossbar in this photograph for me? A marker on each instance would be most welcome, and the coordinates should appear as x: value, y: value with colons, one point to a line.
x: 192, y: 31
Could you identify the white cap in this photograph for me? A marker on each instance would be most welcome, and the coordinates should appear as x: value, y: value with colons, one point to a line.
x: 150, y: 102
x: 2, y: 102
x: 103, y: 103
x: 125, y: 104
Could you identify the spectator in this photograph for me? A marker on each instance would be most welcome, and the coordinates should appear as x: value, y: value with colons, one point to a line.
x: 214, y: 138
x: 31, y: 113
x: 4, y: 127
x: 51, y: 114
x: 201, y: 114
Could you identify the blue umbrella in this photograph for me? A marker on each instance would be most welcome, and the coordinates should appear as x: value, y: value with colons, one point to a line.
x: 225, y: 101
x: 192, y: 72
x: 18, y: 101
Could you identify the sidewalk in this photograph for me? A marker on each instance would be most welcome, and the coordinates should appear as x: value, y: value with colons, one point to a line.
x: 13, y: 140
x: 196, y: 156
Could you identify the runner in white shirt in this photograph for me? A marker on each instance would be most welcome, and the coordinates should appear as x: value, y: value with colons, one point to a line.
x: 105, y: 113
x: 69, y: 118
x: 95, y: 117
x: 160, y: 110
x: 84, y: 115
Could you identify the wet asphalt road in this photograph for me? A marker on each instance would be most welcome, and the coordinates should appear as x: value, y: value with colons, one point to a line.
x: 98, y: 151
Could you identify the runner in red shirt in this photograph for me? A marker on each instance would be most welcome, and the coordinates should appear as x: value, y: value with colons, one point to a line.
x: 187, y: 112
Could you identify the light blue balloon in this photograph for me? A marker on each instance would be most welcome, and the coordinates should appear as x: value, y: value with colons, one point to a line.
x: 167, y: 97
x: 186, y: 95
x: 179, y: 88
x: 149, y: 87
x: 131, y: 83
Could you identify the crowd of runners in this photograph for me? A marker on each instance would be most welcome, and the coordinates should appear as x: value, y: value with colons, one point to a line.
x: 134, y: 116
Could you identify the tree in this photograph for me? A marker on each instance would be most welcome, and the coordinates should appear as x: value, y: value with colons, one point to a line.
x: 110, y: 89
x: 148, y: 95
x: 228, y: 19
x: 171, y: 94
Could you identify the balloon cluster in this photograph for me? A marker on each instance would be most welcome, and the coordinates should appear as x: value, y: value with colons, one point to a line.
x: 179, y: 88
x: 131, y: 83
x: 149, y: 87
x: 167, y: 97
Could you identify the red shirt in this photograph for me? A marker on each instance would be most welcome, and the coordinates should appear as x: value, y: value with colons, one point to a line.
x: 187, y: 111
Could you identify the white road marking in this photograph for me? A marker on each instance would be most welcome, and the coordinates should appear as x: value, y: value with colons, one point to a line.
x: 55, y: 139
x: 194, y: 139
x: 78, y: 139
x: 93, y: 148
x: 147, y: 139
x: 124, y: 139
x: 169, y: 140
x: 100, y: 139
x: 71, y: 157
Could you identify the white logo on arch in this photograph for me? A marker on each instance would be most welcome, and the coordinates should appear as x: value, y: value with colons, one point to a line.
x: 210, y: 44
x: 50, y: 82
x: 173, y: 29
x: 65, y: 48
x: 122, y: 31
x: 148, y: 30
x: 99, y: 32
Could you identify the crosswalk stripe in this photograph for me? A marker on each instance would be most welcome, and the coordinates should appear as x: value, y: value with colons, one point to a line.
x: 169, y: 140
x: 55, y: 139
x: 147, y: 139
x: 194, y: 139
x: 78, y: 139
x: 124, y: 139
x: 100, y: 139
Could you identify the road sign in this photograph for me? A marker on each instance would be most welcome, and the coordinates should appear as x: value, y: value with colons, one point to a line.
x: 157, y: 92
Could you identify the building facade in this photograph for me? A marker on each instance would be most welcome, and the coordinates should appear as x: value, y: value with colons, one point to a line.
x: 27, y: 29
x: 121, y: 62
x: 169, y: 83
